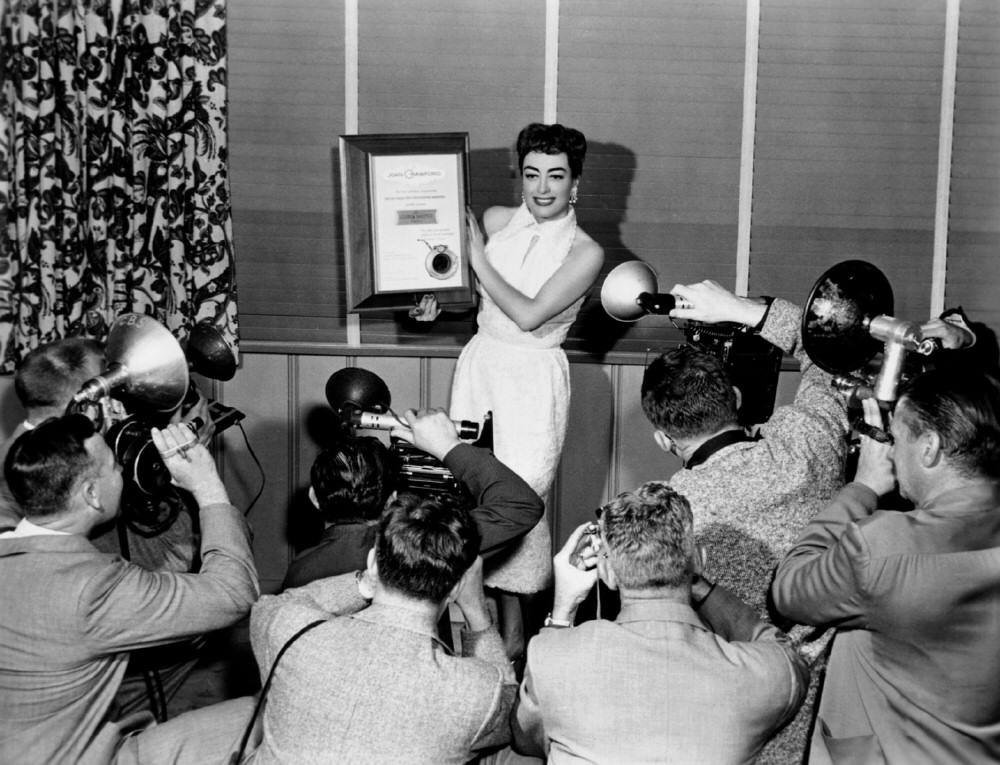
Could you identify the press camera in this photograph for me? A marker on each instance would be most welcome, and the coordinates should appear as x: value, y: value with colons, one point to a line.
x: 362, y: 400
x: 591, y: 540
x: 630, y: 292
x: 146, y: 379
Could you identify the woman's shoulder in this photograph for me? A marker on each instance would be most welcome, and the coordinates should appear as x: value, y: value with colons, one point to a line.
x: 495, y: 218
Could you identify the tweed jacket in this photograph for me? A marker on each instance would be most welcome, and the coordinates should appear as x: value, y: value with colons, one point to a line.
x: 751, y: 499
x: 507, y: 510
x: 658, y: 685
x: 372, y: 685
x: 914, y: 676
x: 71, y: 614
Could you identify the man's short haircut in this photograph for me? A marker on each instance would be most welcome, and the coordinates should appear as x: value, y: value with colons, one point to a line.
x: 423, y: 545
x: 44, y: 464
x: 687, y: 393
x: 649, y: 537
x: 553, y: 139
x: 353, y: 479
x: 51, y: 374
x: 964, y: 410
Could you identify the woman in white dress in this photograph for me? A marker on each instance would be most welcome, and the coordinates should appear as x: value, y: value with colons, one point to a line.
x: 533, y: 273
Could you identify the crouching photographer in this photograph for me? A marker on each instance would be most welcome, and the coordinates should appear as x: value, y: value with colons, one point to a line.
x: 157, y: 527
x: 73, y: 614
x: 353, y: 479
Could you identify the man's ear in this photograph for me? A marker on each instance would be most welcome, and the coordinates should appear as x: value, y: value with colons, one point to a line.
x: 372, y: 564
x: 312, y: 497
x: 739, y: 397
x: 700, y: 559
x: 662, y: 440
x: 930, y: 452
x: 91, y: 493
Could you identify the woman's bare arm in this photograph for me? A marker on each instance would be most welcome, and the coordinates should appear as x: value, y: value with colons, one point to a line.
x: 567, y: 285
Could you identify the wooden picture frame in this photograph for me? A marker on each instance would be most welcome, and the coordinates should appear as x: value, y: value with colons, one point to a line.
x: 404, y: 199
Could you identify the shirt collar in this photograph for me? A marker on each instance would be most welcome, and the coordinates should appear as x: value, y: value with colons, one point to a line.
x: 398, y: 618
x: 657, y: 610
x: 717, y: 443
x: 523, y: 219
x: 26, y: 528
x: 973, y: 497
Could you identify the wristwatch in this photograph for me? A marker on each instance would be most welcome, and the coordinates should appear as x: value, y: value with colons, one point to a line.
x: 550, y: 622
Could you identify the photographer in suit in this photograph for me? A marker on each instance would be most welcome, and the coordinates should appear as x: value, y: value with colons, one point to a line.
x: 72, y: 614
x: 45, y: 383
x: 371, y: 682
x: 914, y: 675
x: 686, y: 673
x: 750, y: 495
x: 352, y: 481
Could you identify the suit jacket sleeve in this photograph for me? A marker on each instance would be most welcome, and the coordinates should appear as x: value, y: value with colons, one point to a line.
x: 487, y: 645
x: 734, y: 621
x: 527, y: 727
x: 125, y: 606
x: 507, y: 507
x: 275, y: 618
x: 822, y: 579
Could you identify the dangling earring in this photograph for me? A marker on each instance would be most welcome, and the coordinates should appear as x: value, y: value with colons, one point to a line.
x: 522, y: 198
x: 572, y: 196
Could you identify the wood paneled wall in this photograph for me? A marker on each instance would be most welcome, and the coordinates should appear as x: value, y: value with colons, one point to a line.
x: 609, y: 447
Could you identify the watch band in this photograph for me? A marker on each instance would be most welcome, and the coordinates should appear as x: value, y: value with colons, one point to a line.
x: 550, y: 622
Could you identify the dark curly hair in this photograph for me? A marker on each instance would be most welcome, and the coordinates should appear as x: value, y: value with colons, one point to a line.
x: 44, y: 464
x: 424, y: 545
x: 353, y: 479
x: 687, y: 393
x: 552, y: 139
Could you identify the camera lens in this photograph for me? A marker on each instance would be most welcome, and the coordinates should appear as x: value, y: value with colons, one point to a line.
x: 132, y: 445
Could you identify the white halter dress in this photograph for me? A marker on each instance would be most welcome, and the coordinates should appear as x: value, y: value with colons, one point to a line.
x: 523, y: 378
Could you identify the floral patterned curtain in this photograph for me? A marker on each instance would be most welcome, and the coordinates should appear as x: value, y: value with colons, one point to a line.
x: 113, y: 168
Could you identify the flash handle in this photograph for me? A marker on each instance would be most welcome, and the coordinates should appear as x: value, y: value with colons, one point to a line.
x: 658, y: 303
x: 467, y: 429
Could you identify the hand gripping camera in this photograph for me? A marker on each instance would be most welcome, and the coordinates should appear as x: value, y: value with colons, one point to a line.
x: 630, y: 292
x: 148, y: 372
x: 591, y: 540
x: 362, y: 400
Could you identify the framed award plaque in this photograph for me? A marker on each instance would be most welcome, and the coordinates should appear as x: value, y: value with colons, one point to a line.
x: 405, y: 198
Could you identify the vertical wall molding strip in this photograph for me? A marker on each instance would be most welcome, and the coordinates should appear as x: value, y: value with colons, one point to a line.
x: 946, y: 134
x: 295, y: 420
x: 551, y: 93
x: 750, y: 59
x: 425, y: 383
x: 351, y: 116
x: 617, y: 422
